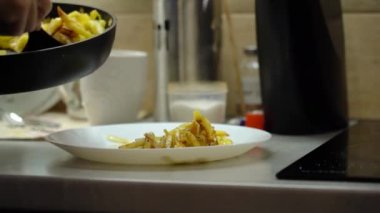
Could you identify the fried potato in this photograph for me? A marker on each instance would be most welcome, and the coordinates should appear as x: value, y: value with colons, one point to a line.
x: 67, y: 28
x: 14, y: 43
x: 199, y: 132
x: 74, y: 26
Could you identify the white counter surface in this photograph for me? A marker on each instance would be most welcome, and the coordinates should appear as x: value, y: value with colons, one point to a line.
x: 36, y: 175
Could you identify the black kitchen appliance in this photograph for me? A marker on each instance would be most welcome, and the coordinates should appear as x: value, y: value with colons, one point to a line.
x: 301, y: 55
x: 352, y: 155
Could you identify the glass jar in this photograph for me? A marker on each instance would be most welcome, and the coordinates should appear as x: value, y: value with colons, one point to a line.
x: 250, y: 79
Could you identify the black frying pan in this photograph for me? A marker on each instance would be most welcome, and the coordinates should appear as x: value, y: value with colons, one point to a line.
x: 37, y: 69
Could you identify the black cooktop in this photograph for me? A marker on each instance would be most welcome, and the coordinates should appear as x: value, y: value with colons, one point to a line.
x: 352, y: 155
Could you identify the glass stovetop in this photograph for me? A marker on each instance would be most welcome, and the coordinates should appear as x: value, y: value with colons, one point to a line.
x: 352, y: 155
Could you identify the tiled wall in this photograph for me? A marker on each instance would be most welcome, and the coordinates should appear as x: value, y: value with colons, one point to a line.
x: 362, y: 32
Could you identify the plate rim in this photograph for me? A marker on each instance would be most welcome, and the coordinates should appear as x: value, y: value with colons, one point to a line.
x: 159, y: 156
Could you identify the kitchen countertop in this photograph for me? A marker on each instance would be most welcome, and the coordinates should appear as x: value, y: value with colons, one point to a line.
x: 36, y: 175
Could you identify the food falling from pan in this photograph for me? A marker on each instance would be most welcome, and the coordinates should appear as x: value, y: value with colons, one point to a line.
x: 67, y: 28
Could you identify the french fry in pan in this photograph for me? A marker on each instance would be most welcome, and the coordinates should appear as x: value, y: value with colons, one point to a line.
x: 74, y: 26
x: 13, y: 43
x: 66, y: 28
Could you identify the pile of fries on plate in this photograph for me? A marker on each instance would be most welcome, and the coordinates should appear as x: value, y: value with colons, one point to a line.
x: 198, y: 132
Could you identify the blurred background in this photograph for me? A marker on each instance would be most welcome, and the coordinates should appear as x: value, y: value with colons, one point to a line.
x: 362, y: 33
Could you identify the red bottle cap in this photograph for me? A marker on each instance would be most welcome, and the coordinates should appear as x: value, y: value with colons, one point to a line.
x: 255, y: 119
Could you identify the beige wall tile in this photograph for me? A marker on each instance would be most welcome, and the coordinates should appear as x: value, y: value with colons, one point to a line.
x: 363, y: 64
x: 243, y: 35
x: 236, y: 6
x: 241, y: 6
x: 361, y: 5
x: 362, y: 46
x: 362, y: 33
x: 135, y: 32
x: 247, y: 6
x: 116, y: 6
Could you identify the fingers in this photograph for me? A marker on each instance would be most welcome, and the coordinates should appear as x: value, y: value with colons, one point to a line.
x: 31, y: 18
x: 38, y: 11
x: 44, y: 8
x: 13, y: 16
x: 19, y: 16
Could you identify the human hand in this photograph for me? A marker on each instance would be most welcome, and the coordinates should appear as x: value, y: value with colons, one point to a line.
x: 19, y: 16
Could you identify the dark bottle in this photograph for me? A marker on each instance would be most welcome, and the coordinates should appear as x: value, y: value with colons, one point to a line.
x: 302, y: 65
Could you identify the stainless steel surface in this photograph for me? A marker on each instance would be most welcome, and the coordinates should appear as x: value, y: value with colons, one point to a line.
x: 199, y: 31
x: 14, y: 119
x: 40, y: 176
x: 193, y: 30
x: 188, y: 39
x: 161, y: 112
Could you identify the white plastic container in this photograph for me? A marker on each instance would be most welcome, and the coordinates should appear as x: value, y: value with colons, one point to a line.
x: 114, y: 93
x: 207, y: 97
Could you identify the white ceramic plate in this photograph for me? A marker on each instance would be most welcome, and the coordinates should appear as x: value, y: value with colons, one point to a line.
x: 92, y: 144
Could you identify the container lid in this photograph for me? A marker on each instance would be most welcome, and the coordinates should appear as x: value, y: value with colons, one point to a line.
x: 197, y: 87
